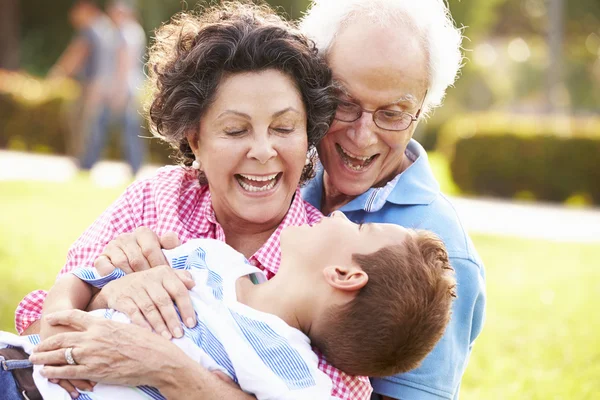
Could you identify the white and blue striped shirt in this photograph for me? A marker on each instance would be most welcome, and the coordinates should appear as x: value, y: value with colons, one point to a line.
x: 259, y: 351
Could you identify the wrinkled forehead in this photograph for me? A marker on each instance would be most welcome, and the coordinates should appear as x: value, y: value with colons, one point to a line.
x: 379, y: 65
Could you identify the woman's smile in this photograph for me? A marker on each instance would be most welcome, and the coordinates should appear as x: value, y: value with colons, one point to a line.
x: 263, y: 185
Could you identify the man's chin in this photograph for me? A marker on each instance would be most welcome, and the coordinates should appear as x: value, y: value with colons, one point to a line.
x: 353, y: 189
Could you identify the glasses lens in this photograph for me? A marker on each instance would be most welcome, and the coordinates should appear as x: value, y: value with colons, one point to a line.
x: 392, y: 120
x: 347, y: 112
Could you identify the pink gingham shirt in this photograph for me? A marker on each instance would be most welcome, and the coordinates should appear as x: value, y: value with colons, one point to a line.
x: 174, y: 201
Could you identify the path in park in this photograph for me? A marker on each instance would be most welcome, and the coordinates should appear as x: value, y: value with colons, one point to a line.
x: 488, y: 216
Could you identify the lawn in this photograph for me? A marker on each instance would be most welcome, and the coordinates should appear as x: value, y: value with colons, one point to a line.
x: 541, y: 338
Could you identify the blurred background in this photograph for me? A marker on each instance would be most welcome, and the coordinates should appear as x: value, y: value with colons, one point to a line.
x: 516, y: 144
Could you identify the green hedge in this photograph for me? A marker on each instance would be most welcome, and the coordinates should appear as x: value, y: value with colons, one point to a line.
x: 33, y: 117
x: 548, y: 159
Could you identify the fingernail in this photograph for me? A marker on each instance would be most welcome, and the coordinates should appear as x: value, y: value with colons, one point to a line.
x: 53, y: 380
x: 166, y: 335
x: 74, y: 395
x: 178, y: 332
x: 190, y: 323
x: 43, y: 372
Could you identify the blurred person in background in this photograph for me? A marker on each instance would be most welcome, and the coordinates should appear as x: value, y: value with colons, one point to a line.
x: 106, y: 57
x: 129, y: 78
x: 89, y: 58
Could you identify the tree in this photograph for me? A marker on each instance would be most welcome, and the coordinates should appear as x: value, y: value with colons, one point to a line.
x: 9, y: 34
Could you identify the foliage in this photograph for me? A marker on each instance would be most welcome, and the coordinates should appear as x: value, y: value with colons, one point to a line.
x: 30, y: 112
x: 540, y: 336
x: 505, y: 155
x: 34, y: 114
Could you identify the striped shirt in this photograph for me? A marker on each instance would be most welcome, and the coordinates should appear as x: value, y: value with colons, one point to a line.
x: 173, y: 201
x: 258, y: 351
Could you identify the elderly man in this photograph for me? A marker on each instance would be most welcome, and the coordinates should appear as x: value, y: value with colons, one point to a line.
x: 392, y: 61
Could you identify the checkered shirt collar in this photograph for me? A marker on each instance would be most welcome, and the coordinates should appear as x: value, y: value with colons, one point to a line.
x: 269, y: 255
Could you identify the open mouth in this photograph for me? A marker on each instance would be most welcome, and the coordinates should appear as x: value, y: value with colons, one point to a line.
x: 353, y: 161
x: 258, y: 183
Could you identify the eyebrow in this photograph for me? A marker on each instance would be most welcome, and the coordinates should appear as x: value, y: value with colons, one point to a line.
x: 246, y: 116
x: 407, y: 98
x: 285, y: 110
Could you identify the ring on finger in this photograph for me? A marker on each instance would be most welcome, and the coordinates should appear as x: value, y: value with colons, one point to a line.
x: 69, y: 356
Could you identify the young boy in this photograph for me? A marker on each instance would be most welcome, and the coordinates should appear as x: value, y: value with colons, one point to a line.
x: 374, y: 298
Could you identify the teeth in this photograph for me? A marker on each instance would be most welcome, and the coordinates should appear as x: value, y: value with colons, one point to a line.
x: 251, y: 188
x: 354, y: 167
x: 346, y: 152
x: 259, y: 178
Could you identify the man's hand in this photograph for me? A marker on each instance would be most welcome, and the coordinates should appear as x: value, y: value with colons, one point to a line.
x: 136, y: 251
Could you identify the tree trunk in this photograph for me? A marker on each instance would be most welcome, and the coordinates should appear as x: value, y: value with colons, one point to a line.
x: 554, y: 73
x: 9, y: 34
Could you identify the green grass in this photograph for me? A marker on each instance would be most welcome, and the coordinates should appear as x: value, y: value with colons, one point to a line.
x: 39, y: 221
x: 540, y: 341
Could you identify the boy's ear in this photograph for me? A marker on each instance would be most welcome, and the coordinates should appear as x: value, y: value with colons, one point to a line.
x: 351, y: 278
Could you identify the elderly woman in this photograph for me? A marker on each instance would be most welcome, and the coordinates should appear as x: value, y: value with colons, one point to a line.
x: 244, y: 98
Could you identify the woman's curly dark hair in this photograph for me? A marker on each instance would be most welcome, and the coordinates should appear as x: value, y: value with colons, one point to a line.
x: 192, y: 53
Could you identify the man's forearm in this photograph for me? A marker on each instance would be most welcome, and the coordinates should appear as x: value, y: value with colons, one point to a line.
x: 192, y: 381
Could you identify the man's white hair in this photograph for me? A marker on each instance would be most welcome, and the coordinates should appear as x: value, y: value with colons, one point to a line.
x: 430, y: 19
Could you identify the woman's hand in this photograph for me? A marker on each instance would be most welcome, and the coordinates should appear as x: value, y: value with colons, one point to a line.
x: 147, y: 299
x: 105, y: 351
x: 71, y: 387
x: 123, y: 354
x: 136, y: 251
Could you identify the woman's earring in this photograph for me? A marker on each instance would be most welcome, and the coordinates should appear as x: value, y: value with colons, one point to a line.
x: 196, y: 165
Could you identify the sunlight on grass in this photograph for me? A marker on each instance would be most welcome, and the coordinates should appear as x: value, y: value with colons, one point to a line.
x: 39, y: 222
x: 540, y: 339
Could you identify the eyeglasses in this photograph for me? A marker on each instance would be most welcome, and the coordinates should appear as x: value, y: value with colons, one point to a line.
x: 388, y: 120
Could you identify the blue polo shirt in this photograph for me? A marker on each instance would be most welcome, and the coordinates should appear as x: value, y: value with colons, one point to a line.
x: 413, y: 200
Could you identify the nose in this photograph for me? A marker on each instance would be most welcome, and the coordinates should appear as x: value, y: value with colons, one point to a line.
x: 262, y: 149
x: 361, y: 132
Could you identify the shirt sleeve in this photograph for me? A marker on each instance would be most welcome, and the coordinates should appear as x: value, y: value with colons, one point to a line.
x: 124, y: 215
x: 92, y: 277
x: 440, y: 374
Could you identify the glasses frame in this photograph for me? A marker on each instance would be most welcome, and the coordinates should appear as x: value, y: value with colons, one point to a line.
x: 413, y: 118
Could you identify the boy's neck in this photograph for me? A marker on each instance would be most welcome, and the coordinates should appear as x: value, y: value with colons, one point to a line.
x: 273, y: 297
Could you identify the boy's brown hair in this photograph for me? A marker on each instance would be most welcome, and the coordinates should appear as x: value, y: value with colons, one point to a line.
x: 396, y: 319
